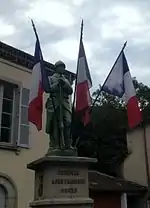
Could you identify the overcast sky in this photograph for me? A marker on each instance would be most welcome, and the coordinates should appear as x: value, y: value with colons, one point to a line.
x: 107, y: 25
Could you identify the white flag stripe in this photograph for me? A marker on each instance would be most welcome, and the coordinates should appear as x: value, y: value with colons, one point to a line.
x: 81, y: 71
x: 35, y: 78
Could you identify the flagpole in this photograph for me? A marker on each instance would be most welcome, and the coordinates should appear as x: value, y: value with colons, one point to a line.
x: 81, y: 36
x: 109, y: 74
x: 34, y: 28
x: 146, y: 163
x: 72, y: 116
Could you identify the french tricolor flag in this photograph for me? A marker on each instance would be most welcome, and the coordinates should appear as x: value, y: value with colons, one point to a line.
x: 35, y: 109
x: 119, y: 83
x: 39, y: 84
x: 83, y: 84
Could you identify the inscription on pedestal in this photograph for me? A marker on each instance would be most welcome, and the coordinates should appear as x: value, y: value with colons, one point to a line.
x: 65, y: 181
x: 68, y: 181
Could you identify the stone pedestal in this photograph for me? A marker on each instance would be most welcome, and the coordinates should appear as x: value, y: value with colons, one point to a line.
x: 61, y: 181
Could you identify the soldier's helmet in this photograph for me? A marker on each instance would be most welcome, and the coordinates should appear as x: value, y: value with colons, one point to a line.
x: 60, y: 63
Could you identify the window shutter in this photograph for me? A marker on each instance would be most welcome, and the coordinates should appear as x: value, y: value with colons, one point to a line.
x: 24, y: 124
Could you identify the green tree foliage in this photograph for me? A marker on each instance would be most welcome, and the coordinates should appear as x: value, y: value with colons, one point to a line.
x: 105, y: 137
x: 143, y: 94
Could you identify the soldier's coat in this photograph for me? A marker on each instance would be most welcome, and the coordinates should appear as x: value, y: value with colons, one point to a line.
x: 55, y: 93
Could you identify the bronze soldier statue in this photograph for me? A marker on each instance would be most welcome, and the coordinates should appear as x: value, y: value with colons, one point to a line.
x: 58, y: 109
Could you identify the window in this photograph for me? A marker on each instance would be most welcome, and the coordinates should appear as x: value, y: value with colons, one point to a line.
x: 3, y: 197
x: 14, y: 126
x: 8, y: 193
x: 7, y: 101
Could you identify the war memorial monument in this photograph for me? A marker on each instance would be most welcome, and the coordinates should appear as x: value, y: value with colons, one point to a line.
x: 61, y: 177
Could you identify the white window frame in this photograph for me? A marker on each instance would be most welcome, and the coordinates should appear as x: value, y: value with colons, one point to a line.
x: 124, y: 200
x: 13, y: 115
x: 12, y: 121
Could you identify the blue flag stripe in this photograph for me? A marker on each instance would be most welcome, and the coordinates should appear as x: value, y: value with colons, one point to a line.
x: 39, y: 58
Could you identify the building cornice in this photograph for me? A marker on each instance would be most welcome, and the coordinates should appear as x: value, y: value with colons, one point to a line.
x: 24, y: 59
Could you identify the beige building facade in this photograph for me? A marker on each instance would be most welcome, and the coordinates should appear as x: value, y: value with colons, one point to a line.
x: 19, y: 142
x: 134, y: 167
